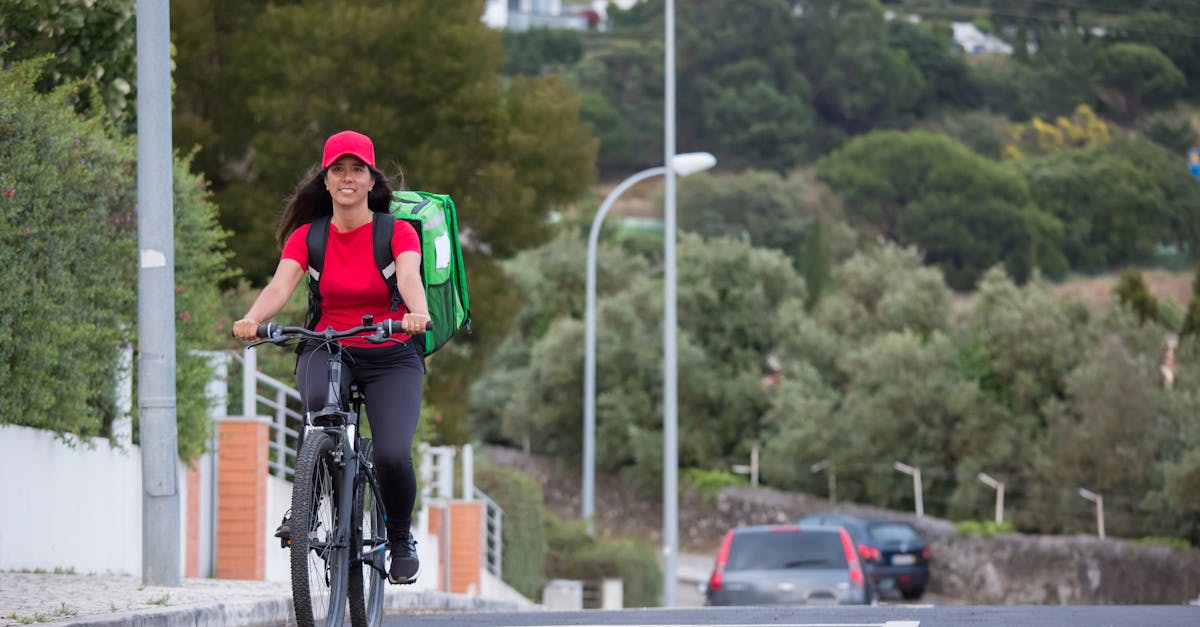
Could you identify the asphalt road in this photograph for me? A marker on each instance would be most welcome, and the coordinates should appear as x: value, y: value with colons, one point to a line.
x: 878, y: 616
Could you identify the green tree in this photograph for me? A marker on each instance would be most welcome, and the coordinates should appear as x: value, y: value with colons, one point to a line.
x: 1118, y: 201
x: 534, y: 389
x: 93, y: 45
x: 540, y: 51
x: 622, y: 83
x: 769, y: 209
x: 943, y: 67
x: 1020, y: 342
x: 1132, y: 292
x: 1133, y: 77
x: 1109, y: 424
x: 965, y: 212
x: 1166, y: 26
x: 859, y: 81
x: 905, y: 397
x: 422, y: 79
x: 1191, y: 321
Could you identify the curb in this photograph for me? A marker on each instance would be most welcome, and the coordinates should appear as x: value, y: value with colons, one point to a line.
x: 269, y: 612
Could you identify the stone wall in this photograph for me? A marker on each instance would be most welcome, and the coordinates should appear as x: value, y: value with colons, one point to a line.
x: 1007, y: 569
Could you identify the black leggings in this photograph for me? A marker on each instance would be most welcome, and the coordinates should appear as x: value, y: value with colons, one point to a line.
x: 390, y: 379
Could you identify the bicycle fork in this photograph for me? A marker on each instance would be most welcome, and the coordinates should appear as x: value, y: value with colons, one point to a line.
x: 349, y: 465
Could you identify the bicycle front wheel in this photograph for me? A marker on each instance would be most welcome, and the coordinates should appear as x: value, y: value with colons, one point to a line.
x: 319, y: 562
x: 368, y: 544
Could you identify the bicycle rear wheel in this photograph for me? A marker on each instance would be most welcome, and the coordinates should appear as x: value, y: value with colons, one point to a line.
x: 368, y: 544
x: 319, y: 562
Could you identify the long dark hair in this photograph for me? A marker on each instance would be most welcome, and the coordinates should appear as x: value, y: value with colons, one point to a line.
x: 311, y: 200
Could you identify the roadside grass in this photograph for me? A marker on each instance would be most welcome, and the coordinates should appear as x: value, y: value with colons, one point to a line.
x: 62, y: 611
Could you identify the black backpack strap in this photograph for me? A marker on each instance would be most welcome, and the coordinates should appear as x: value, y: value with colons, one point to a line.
x: 318, y: 236
x: 381, y: 235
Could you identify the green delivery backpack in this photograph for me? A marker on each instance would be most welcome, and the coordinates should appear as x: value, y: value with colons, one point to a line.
x: 442, y: 271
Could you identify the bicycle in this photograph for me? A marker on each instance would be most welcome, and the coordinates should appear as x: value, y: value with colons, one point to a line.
x: 338, y: 558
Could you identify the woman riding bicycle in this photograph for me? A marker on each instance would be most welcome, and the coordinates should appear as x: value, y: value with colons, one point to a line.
x: 351, y: 190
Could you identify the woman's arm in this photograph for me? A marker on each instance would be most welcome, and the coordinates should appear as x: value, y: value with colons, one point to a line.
x: 272, y: 299
x: 408, y: 280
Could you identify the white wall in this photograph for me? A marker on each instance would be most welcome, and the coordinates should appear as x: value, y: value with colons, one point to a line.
x: 76, y: 507
x: 279, y: 499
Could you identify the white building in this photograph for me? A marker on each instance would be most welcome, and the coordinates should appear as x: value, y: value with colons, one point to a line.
x: 524, y: 14
x: 975, y: 41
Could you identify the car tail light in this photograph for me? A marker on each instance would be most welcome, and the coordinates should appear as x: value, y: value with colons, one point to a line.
x: 784, y: 529
x: 927, y: 554
x: 856, y: 572
x: 869, y: 553
x: 717, y: 579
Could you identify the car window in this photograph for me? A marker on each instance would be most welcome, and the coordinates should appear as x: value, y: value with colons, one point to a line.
x: 899, y: 533
x: 775, y: 550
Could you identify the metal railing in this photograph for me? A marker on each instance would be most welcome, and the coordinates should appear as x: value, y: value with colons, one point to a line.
x: 436, y: 467
x: 493, y: 529
x: 285, y: 420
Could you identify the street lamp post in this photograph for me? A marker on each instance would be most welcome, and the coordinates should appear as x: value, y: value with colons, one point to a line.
x: 998, y: 486
x: 1099, y: 501
x: 828, y: 466
x: 916, y: 475
x: 683, y: 165
x: 670, y: 367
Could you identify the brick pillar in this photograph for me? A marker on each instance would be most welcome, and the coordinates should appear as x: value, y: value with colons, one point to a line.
x: 192, y: 568
x: 464, y: 537
x: 242, y: 449
x: 466, y: 546
x: 437, y: 517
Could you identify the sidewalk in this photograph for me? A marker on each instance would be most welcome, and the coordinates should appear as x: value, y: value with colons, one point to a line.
x: 27, y: 598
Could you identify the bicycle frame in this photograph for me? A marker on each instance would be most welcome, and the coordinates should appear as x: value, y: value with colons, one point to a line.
x: 344, y: 427
x: 346, y: 461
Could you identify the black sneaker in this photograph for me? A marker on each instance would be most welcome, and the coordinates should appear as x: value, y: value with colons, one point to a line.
x: 405, y: 564
x: 284, y: 532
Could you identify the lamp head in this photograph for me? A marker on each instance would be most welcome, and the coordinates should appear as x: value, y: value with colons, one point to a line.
x: 692, y: 162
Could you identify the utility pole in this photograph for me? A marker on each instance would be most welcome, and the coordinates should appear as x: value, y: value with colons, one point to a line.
x: 161, y: 563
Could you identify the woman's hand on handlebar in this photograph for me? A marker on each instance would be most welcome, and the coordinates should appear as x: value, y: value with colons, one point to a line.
x: 246, y: 329
x: 416, y: 323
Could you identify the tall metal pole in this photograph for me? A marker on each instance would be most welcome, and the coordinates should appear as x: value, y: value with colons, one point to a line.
x: 589, y: 349
x: 670, y: 384
x: 161, y: 562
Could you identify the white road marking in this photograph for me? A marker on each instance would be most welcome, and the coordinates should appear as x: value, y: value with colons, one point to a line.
x: 890, y: 623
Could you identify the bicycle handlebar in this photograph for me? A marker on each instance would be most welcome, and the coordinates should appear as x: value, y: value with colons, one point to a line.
x: 273, y: 331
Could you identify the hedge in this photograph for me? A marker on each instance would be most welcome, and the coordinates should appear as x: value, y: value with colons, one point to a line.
x: 68, y: 223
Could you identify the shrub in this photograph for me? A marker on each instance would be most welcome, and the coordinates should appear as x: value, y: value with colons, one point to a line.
x: 707, y: 483
x: 68, y: 225
x: 985, y: 528
x: 524, y: 549
x: 1178, y: 543
x: 573, y: 554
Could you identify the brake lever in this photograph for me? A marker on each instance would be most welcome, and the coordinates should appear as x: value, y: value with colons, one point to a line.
x: 278, y: 341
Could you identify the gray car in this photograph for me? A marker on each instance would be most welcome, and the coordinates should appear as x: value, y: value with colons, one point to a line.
x: 787, y: 565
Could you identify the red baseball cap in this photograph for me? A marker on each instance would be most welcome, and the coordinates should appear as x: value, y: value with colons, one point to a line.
x: 348, y: 143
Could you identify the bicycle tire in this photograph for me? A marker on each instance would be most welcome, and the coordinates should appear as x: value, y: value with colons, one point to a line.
x: 368, y: 543
x: 319, y: 563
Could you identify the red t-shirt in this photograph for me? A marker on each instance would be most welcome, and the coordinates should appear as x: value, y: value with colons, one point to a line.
x: 351, y: 285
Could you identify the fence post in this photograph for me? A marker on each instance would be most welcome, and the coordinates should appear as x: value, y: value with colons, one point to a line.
x: 468, y: 471
x: 249, y: 382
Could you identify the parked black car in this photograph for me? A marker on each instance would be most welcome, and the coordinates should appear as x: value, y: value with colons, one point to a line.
x: 787, y: 565
x: 894, y: 554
